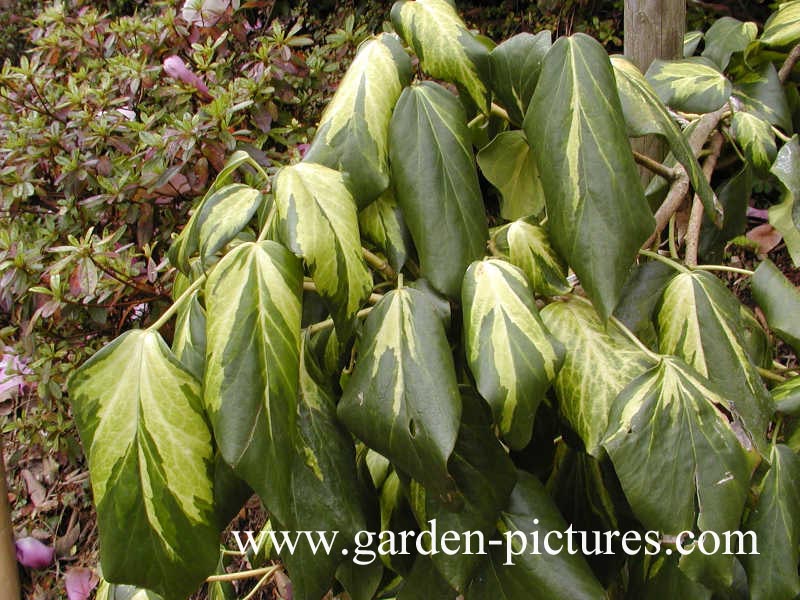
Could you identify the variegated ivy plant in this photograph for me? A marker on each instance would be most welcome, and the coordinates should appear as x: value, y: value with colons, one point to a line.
x: 376, y: 342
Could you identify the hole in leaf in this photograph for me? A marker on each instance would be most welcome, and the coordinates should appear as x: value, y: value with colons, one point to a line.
x: 412, y: 428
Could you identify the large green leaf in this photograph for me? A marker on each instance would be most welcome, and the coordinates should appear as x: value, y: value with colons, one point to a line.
x: 508, y: 164
x: 402, y: 399
x: 756, y: 139
x: 318, y: 222
x: 140, y: 417
x: 382, y: 223
x: 528, y: 246
x: 761, y: 93
x: 484, y: 475
x: 783, y: 26
x: 787, y: 169
x: 353, y: 133
x: 775, y: 521
x: 678, y: 458
x: 425, y: 581
x: 512, y: 356
x: 437, y: 184
x: 727, y: 36
x: 692, y: 85
x: 189, y: 340
x: 640, y: 297
x: 598, y: 217
x: 445, y: 47
x: 516, y: 64
x: 780, y: 301
x: 691, y: 40
x: 645, y: 114
x: 599, y: 362
x: 533, y: 576
x: 218, y: 218
x: 787, y: 396
x: 700, y: 321
x: 252, y: 357
x: 781, y: 217
x: 734, y: 195
x: 113, y: 591
x: 326, y: 493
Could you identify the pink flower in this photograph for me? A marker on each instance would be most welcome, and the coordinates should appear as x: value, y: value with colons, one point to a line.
x: 80, y: 582
x: 12, y: 372
x: 177, y: 69
x: 33, y: 554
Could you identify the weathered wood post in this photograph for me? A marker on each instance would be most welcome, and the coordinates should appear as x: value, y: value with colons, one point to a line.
x: 653, y: 29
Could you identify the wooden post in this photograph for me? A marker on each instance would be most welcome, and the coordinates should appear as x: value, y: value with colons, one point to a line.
x: 9, y: 574
x: 653, y: 29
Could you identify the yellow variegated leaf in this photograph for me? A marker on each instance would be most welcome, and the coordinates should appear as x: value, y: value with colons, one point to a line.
x: 512, y: 356
x: 402, y: 399
x: 252, y: 361
x: 140, y: 417
x: 353, y: 133
x: 189, y: 340
x: 528, y: 247
x: 693, y: 85
x: 599, y: 362
x: 783, y: 26
x: 318, y: 222
x: 382, y: 223
x: 756, y: 139
x: 445, y: 47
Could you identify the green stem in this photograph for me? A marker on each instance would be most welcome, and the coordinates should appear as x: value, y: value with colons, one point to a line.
x: 328, y: 323
x: 379, y: 264
x: 243, y: 574
x: 673, y: 248
x: 632, y: 337
x: 170, y: 312
x: 725, y: 268
x: 667, y: 261
x: 767, y: 374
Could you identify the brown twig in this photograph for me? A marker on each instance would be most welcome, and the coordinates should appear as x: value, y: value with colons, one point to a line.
x: 789, y: 63
x: 696, y: 217
x: 379, y: 264
x: 662, y: 170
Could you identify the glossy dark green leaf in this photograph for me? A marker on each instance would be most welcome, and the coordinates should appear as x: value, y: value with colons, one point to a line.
x: 445, y: 47
x: 540, y: 576
x: 353, y: 133
x: 189, y: 340
x: 516, y: 64
x: 508, y: 164
x: 779, y: 299
x: 360, y: 581
x: 756, y: 139
x: 775, y: 521
x: 219, y: 217
x: 641, y: 295
x: 114, y: 591
x: 140, y: 417
x: 693, y: 85
x: 783, y: 26
x: 436, y: 183
x: 599, y: 362
x: 318, y: 222
x: 727, y: 36
x: 700, y: 321
x: 734, y: 196
x: 252, y: 361
x: 425, y: 581
x: 787, y: 169
x: 510, y: 353
x: 593, y: 193
x: 326, y: 493
x: 761, y: 93
x: 402, y: 399
x: 787, y: 396
x: 484, y: 476
x: 664, y: 579
x: 382, y: 223
x: 528, y: 247
x: 703, y: 480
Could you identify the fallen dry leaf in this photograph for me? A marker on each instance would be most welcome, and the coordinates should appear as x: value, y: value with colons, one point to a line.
x: 766, y: 236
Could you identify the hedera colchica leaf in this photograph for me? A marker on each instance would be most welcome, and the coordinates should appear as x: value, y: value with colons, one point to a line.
x: 599, y: 362
x: 219, y: 217
x: 678, y: 458
x: 140, y: 416
x: 252, y: 361
x: 402, y: 399
x: 761, y: 93
x: 436, y: 183
x: 446, y: 49
x: 382, y: 223
x: 318, y: 222
x: 353, y: 133
x: 727, y: 36
x: 775, y: 521
x: 508, y: 164
x: 512, y: 356
x: 691, y: 40
x: 783, y: 26
x: 756, y: 139
x: 528, y: 247
x: 592, y: 188
x: 189, y: 339
x: 645, y: 114
x: 779, y: 299
x: 785, y: 217
x: 516, y: 64
x: 541, y: 576
x: 700, y: 321
x: 693, y: 85
x: 734, y: 195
